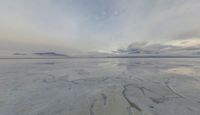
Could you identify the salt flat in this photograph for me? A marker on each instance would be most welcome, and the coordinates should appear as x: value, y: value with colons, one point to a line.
x: 100, y: 86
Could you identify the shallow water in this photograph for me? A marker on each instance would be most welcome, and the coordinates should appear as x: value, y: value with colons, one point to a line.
x: 100, y: 86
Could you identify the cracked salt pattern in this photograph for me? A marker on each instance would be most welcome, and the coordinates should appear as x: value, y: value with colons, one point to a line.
x: 100, y: 87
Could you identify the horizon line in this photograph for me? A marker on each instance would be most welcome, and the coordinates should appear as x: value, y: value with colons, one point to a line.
x: 79, y: 57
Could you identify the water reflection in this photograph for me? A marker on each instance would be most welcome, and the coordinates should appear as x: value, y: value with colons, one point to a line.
x: 189, y: 71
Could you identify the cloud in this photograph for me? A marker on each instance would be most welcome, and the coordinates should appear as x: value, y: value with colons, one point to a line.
x: 104, y: 24
x: 189, y: 47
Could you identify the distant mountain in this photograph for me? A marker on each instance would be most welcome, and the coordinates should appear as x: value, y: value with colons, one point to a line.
x: 49, y: 54
x: 19, y: 54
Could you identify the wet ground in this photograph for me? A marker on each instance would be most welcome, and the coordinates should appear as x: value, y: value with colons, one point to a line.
x: 100, y: 87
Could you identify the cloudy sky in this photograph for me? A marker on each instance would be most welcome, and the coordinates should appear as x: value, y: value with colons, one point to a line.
x: 97, y: 25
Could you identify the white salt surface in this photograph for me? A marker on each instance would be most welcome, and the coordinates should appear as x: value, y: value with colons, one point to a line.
x: 100, y: 87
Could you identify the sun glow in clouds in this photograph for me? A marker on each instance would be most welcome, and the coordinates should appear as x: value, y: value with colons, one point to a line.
x: 186, y: 43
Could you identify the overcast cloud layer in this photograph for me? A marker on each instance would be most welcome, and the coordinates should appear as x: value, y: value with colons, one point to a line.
x: 95, y: 25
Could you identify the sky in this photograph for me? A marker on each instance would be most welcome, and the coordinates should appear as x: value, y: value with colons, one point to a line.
x: 97, y: 25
